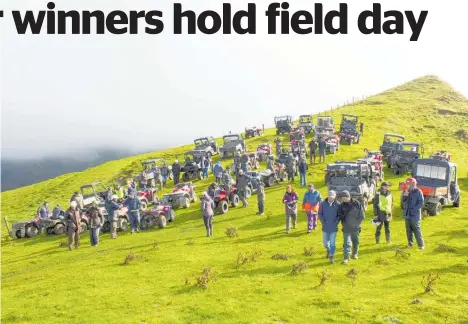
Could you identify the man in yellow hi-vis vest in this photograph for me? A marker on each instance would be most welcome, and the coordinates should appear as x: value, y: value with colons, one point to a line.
x: 383, y: 211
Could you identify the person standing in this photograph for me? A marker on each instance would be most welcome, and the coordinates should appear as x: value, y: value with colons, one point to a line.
x: 56, y: 212
x: 205, y: 167
x: 176, y: 171
x: 361, y: 128
x: 212, y: 190
x: 164, y: 174
x: 313, y: 150
x: 322, y: 146
x: 130, y: 187
x: 133, y: 204
x: 413, y: 201
x: 237, y: 163
x: 78, y: 198
x: 44, y: 210
x: 278, y: 146
x: 95, y: 223
x: 241, y: 185
x: 310, y: 204
x: 291, y: 167
x: 351, y: 214
x: 328, y: 215
x: 208, y: 213
x: 112, y: 216
x: 227, y: 181
x: 290, y: 200
x: 303, y: 167
x: 218, y: 171
x: 73, y: 219
x: 383, y: 211
x: 244, y: 161
x: 261, y: 197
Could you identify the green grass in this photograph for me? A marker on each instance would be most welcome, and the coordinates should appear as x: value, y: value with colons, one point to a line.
x: 45, y: 283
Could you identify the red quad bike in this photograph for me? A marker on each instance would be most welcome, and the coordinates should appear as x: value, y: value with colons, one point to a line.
x: 158, y: 215
x: 263, y: 151
x: 147, y: 197
x: 221, y: 199
x: 375, y: 158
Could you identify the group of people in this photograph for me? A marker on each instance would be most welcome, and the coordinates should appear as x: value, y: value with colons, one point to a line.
x: 349, y: 212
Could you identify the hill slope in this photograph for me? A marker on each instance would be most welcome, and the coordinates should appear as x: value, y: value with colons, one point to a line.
x: 155, y: 289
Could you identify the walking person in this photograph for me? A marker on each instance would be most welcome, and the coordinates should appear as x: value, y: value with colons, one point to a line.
x: 383, y: 211
x: 328, y: 215
x: 310, y: 204
x: 261, y: 197
x: 290, y: 200
x: 218, y: 171
x: 351, y: 214
x: 73, y: 219
x: 303, y: 167
x: 413, y: 201
x: 133, y: 204
x: 207, y: 206
x: 176, y: 171
x: 313, y: 150
x: 322, y: 147
x: 95, y: 223
x: 241, y: 185
x: 112, y: 215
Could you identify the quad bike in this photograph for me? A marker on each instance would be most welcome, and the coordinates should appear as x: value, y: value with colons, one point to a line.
x: 158, y: 215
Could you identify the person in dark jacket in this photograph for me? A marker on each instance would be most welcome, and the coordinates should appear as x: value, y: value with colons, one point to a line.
x: 56, y: 212
x: 227, y: 180
x: 303, y: 167
x: 291, y: 167
x: 212, y: 189
x: 313, y: 150
x: 328, y: 215
x: 218, y: 171
x: 361, y: 128
x: 242, y: 181
x: 413, y: 201
x: 383, y: 211
x: 351, y: 214
x: 278, y: 146
x: 260, y: 197
x: 95, y: 222
x: 164, y: 174
x: 112, y: 215
x: 176, y: 171
x: 290, y: 200
x: 322, y: 147
x: 207, y: 207
x: 205, y: 167
x: 73, y: 219
x: 44, y: 210
x: 244, y: 162
x: 133, y: 204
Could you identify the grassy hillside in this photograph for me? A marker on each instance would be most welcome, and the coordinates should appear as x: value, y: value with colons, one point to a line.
x: 45, y: 283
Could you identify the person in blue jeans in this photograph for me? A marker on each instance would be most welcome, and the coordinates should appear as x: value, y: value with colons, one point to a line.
x: 413, y: 201
x: 303, y: 167
x: 351, y: 215
x: 205, y: 168
x: 328, y: 215
x: 133, y: 204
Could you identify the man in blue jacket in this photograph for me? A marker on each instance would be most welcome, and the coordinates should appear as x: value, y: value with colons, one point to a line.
x: 351, y: 215
x: 413, y: 201
x: 328, y: 215
x: 133, y: 204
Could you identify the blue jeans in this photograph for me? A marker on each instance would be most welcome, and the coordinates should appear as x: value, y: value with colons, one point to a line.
x: 244, y: 167
x: 205, y: 173
x: 302, y: 179
x: 329, y: 242
x: 351, y: 241
x: 208, y: 221
x: 164, y: 179
x: 413, y: 226
x: 261, y: 206
x: 134, y: 220
x: 94, y: 236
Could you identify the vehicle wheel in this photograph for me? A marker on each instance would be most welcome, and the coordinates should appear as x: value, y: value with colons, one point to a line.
x: 146, y: 222
x: 365, y: 203
x: 18, y: 234
x: 270, y: 182
x: 105, y: 227
x: 123, y: 225
x: 185, y: 202
x: 155, y: 199
x: 433, y: 209
x: 31, y: 231
x: 248, y: 192
x: 456, y: 203
x: 333, y: 149
x: 162, y: 221
x: 199, y: 175
x: 223, y: 207
x: 194, y: 198
x: 143, y: 205
x: 185, y: 177
x: 173, y: 216
x: 396, y: 171
x: 84, y: 227
x: 234, y: 200
x: 50, y: 231
x: 284, y: 176
x: 59, y: 229
x: 257, y: 165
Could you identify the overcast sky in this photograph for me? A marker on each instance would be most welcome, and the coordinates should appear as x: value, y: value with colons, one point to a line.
x: 69, y: 92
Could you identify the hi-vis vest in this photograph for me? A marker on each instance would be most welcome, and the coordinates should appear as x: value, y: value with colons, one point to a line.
x: 385, y: 203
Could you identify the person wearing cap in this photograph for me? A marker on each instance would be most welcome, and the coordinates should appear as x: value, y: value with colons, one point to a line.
x: 112, y: 215
x: 207, y: 207
x: 413, y: 201
x: 310, y: 204
x: 218, y: 171
x: 133, y: 204
x: 73, y: 220
x: 328, y: 215
x: 351, y: 215
x: 260, y: 197
x: 95, y: 222
x: 383, y: 211
x: 290, y: 200
x: 242, y: 181
x: 176, y: 171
